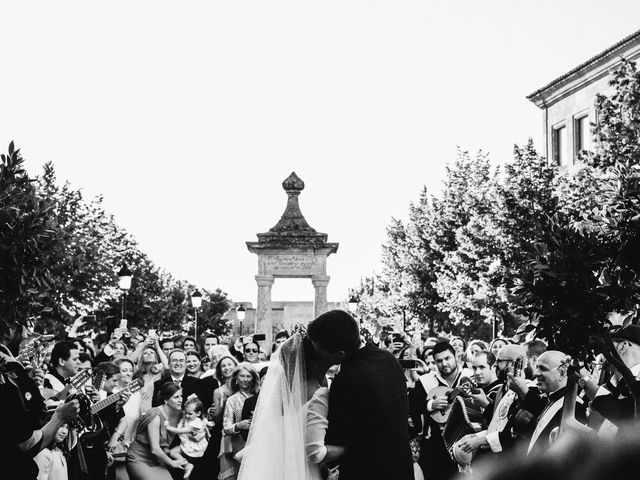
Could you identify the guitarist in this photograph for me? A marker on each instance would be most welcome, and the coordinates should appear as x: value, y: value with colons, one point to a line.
x: 435, y: 460
x: 63, y: 366
x: 551, y: 379
x: 508, y: 422
x: 93, y: 444
x: 24, y: 430
x: 614, y: 400
x: 485, y: 377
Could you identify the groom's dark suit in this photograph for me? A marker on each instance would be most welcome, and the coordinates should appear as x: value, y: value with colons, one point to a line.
x: 368, y: 412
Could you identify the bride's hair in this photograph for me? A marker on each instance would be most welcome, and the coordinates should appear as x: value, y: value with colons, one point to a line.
x: 335, y: 331
x: 290, y: 360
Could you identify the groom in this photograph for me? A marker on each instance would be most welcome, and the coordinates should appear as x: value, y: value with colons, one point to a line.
x: 368, y: 407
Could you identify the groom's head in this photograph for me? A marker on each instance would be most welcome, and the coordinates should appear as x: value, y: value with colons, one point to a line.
x: 335, y: 336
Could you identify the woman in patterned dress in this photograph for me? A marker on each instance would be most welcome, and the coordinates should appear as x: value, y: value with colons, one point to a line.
x: 244, y: 383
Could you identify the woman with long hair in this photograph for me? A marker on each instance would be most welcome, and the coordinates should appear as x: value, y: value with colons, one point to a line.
x: 289, y: 423
x: 149, y: 369
x: 223, y: 370
x: 244, y: 383
x: 124, y: 434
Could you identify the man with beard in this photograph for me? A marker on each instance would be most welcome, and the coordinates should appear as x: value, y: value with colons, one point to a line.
x: 435, y: 460
x: 508, y: 422
x: 534, y: 348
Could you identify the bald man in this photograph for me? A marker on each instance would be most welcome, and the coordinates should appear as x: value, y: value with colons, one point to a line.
x: 508, y: 422
x: 550, y: 375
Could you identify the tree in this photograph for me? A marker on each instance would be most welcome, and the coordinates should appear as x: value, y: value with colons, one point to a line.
x: 59, y: 258
x: 27, y: 232
x: 468, y: 240
x: 87, y: 249
x: 617, y: 133
x: 586, y: 265
x: 526, y: 196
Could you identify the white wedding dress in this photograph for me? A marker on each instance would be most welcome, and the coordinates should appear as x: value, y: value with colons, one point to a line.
x: 286, y: 440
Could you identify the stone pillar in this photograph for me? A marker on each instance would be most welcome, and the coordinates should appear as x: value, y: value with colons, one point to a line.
x: 263, y: 311
x: 320, y: 285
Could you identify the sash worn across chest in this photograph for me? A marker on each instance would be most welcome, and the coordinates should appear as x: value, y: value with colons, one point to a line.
x: 501, y: 413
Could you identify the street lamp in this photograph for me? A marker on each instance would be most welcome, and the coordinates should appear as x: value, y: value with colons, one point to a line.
x: 241, y: 312
x: 353, y: 307
x: 196, y: 303
x: 124, y: 282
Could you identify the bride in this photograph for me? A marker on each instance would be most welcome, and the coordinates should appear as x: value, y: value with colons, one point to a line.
x: 286, y: 439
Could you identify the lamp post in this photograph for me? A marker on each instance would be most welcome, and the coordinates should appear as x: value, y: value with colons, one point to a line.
x: 353, y: 307
x: 241, y: 312
x: 196, y: 303
x: 124, y: 282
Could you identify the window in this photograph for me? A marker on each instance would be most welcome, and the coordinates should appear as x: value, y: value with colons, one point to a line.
x: 560, y: 145
x: 582, y: 134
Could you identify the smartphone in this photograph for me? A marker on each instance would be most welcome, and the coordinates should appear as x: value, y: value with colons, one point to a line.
x: 409, y: 364
x: 152, y: 333
x: 397, y: 338
x: 258, y: 337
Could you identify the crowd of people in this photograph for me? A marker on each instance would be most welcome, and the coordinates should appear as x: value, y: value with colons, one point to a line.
x: 154, y: 407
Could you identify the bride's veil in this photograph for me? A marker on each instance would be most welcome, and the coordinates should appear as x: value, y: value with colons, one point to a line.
x: 275, y: 448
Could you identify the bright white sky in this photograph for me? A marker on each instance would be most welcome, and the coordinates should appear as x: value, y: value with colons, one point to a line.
x: 187, y: 116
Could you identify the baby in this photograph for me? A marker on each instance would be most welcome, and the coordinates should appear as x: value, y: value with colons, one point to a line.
x: 191, y: 423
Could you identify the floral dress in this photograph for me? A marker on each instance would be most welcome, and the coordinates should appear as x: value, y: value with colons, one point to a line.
x: 232, y: 441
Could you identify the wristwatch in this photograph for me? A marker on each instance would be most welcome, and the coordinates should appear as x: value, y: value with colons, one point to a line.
x: 583, y: 381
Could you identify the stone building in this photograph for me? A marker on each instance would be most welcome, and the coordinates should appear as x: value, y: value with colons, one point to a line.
x: 284, y: 315
x: 568, y: 102
x: 290, y: 249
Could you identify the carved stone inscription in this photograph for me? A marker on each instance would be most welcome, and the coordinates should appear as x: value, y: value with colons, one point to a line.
x: 294, y: 265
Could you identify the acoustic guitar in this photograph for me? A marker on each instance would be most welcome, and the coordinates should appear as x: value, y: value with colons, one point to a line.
x: 74, y: 384
x: 462, y: 457
x: 89, y: 423
x: 465, y: 388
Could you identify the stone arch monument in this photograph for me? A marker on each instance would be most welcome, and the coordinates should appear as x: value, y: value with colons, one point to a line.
x: 291, y: 249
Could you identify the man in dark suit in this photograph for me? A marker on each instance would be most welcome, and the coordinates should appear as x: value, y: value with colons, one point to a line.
x: 368, y: 407
x: 178, y: 374
x: 550, y: 375
x: 615, y: 401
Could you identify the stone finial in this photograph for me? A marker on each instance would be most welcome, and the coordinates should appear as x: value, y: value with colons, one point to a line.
x: 293, y: 183
x: 292, y: 231
x: 292, y: 220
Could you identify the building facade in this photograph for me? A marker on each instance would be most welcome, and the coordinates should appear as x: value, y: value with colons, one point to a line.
x: 284, y: 316
x: 568, y: 103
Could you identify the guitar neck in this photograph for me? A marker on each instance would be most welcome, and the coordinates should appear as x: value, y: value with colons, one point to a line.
x: 62, y: 394
x: 102, y: 404
x: 569, y: 405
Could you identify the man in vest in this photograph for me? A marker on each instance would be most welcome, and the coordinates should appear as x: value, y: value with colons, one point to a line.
x: 63, y: 366
x: 435, y: 460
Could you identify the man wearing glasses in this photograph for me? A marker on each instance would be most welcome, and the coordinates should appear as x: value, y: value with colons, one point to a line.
x: 177, y: 374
